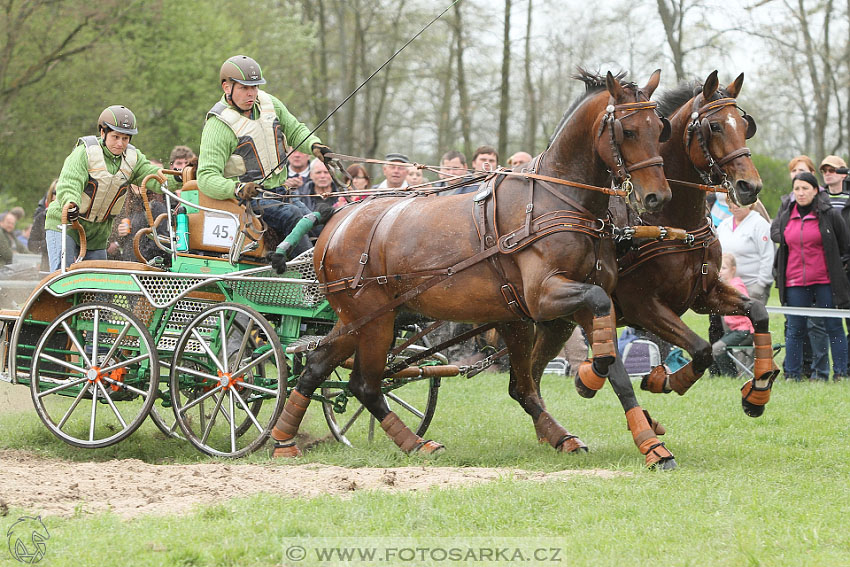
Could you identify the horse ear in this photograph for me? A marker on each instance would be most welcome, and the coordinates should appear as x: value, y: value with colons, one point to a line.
x: 652, y: 84
x: 614, y: 87
x: 710, y: 86
x: 734, y: 87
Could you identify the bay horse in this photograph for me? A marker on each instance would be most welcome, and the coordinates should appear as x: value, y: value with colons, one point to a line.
x: 661, y: 279
x: 548, y: 257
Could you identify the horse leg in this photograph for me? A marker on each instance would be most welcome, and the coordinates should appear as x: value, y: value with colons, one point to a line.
x: 523, y: 388
x: 643, y: 428
x: 374, y: 342
x: 723, y: 299
x: 658, y: 318
x: 320, y: 363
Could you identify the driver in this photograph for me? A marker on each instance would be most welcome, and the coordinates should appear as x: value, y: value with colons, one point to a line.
x: 245, y: 139
x: 94, y: 179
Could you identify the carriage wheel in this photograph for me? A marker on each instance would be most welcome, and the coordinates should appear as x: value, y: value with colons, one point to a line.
x: 90, y: 358
x: 415, y: 403
x: 227, y: 362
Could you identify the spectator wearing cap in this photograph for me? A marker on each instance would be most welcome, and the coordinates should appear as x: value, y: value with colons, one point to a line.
x: 395, y: 172
x: 834, y: 184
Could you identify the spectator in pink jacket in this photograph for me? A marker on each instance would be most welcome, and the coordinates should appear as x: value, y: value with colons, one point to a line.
x: 738, y: 330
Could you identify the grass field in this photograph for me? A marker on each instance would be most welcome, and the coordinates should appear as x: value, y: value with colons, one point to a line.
x: 767, y: 491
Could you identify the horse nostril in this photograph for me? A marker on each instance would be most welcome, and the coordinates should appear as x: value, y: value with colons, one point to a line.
x: 651, y: 201
x: 744, y: 187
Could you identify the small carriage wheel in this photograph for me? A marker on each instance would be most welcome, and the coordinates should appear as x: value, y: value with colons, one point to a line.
x: 229, y: 411
x: 98, y: 352
x: 415, y: 407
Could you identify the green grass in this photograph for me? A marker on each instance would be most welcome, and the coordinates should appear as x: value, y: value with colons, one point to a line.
x: 767, y: 491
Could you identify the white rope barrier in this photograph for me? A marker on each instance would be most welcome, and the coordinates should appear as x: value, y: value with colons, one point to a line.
x: 809, y: 311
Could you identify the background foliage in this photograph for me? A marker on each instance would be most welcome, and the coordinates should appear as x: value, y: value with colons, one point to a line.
x: 63, y: 61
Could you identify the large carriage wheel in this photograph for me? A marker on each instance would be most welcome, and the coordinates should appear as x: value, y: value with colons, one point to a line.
x: 227, y: 363
x: 95, y: 375
x: 413, y: 401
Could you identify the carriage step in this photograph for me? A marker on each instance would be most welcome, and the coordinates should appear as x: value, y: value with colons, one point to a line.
x: 435, y: 371
x: 303, y: 343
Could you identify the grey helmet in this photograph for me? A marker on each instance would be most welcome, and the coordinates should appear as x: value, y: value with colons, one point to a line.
x: 118, y: 118
x: 243, y: 70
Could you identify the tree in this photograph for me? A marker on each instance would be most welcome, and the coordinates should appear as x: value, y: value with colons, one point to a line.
x: 504, y: 91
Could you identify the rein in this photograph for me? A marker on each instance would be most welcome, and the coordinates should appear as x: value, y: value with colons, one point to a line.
x: 699, y: 128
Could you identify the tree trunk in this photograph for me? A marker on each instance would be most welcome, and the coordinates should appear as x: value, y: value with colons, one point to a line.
x: 530, y: 98
x: 463, y: 95
x: 672, y: 13
x: 504, y: 98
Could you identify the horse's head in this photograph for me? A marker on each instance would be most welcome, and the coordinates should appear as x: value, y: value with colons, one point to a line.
x: 716, y: 137
x: 629, y: 133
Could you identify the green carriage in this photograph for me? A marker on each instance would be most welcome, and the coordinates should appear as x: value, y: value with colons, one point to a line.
x: 207, y: 347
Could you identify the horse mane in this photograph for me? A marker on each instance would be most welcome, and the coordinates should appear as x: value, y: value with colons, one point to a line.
x: 593, y: 83
x: 670, y: 101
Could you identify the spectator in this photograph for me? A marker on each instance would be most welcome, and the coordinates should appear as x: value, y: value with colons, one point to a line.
x: 519, y: 158
x: 746, y: 235
x: 299, y: 170
x: 24, y: 236
x: 485, y: 159
x: 37, y: 243
x: 360, y: 180
x: 720, y: 209
x: 232, y: 164
x: 94, y: 181
x: 834, y: 185
x: 180, y: 157
x: 738, y: 329
x: 414, y: 176
x: 813, y: 243
x: 395, y: 172
x: 8, y: 243
x: 452, y: 169
x: 320, y: 188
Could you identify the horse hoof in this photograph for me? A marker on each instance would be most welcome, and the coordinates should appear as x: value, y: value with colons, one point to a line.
x: 572, y: 445
x: 667, y: 464
x: 752, y: 410
x: 583, y: 390
x: 290, y: 452
x: 430, y: 448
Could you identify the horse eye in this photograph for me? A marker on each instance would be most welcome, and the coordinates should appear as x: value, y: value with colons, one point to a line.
x: 629, y: 134
x: 715, y: 127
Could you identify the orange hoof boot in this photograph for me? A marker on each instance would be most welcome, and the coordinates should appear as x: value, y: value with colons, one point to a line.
x: 656, y: 381
x: 286, y: 450
x: 654, y: 424
x: 659, y: 458
x: 429, y: 448
x: 753, y: 398
x: 587, y: 381
x: 570, y: 444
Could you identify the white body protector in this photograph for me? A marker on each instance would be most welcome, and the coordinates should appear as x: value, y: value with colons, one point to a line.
x: 261, y: 144
x: 105, y: 192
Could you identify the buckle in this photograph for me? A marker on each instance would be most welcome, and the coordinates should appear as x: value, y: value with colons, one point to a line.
x: 506, y: 243
x: 312, y: 345
x: 381, y: 279
x: 364, y: 258
x: 704, y: 269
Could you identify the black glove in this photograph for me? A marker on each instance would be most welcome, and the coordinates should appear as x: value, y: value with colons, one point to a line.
x: 319, y: 150
x: 278, y: 262
x: 73, y: 213
x: 247, y: 190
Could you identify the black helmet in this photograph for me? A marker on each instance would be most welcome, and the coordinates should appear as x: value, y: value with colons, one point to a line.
x: 243, y: 70
x: 118, y: 118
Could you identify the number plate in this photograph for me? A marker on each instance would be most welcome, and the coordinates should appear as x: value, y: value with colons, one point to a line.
x: 218, y: 230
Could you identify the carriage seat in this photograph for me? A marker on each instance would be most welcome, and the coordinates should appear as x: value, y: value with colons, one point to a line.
x: 199, y: 240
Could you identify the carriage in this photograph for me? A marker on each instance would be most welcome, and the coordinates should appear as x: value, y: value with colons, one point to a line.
x: 207, y: 347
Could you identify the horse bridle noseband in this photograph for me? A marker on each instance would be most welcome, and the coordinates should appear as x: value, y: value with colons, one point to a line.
x: 622, y: 170
x: 699, y: 128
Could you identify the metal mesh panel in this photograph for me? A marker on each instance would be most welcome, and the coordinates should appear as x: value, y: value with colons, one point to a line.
x: 164, y: 289
x: 304, y: 294
x: 137, y: 305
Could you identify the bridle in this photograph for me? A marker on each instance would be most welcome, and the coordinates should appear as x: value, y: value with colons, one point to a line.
x: 699, y: 129
x: 622, y: 171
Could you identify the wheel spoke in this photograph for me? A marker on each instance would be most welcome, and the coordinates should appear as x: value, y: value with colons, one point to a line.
x: 200, y: 399
x: 232, y: 422
x: 256, y: 388
x: 93, y: 413
x: 118, y: 340
x: 71, y: 409
x: 351, y: 421
x: 405, y: 405
x: 198, y: 373
x: 112, y: 405
x: 60, y: 387
x: 248, y: 411
x: 263, y: 357
x: 222, y: 337
x: 207, y: 348
x: 64, y: 363
x: 127, y: 362
x: 210, y: 423
x: 246, y: 334
x: 95, y: 337
x: 126, y: 386
x: 77, y: 344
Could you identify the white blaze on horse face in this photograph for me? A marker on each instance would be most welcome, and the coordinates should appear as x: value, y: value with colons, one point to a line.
x: 733, y: 124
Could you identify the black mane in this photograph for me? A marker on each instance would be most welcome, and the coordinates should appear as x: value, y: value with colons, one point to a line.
x: 593, y: 83
x: 670, y: 101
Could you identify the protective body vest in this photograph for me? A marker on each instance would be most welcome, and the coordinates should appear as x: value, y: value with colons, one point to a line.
x: 105, y: 192
x: 260, y: 143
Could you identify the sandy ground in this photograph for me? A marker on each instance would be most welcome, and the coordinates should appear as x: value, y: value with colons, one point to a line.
x: 57, y: 487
